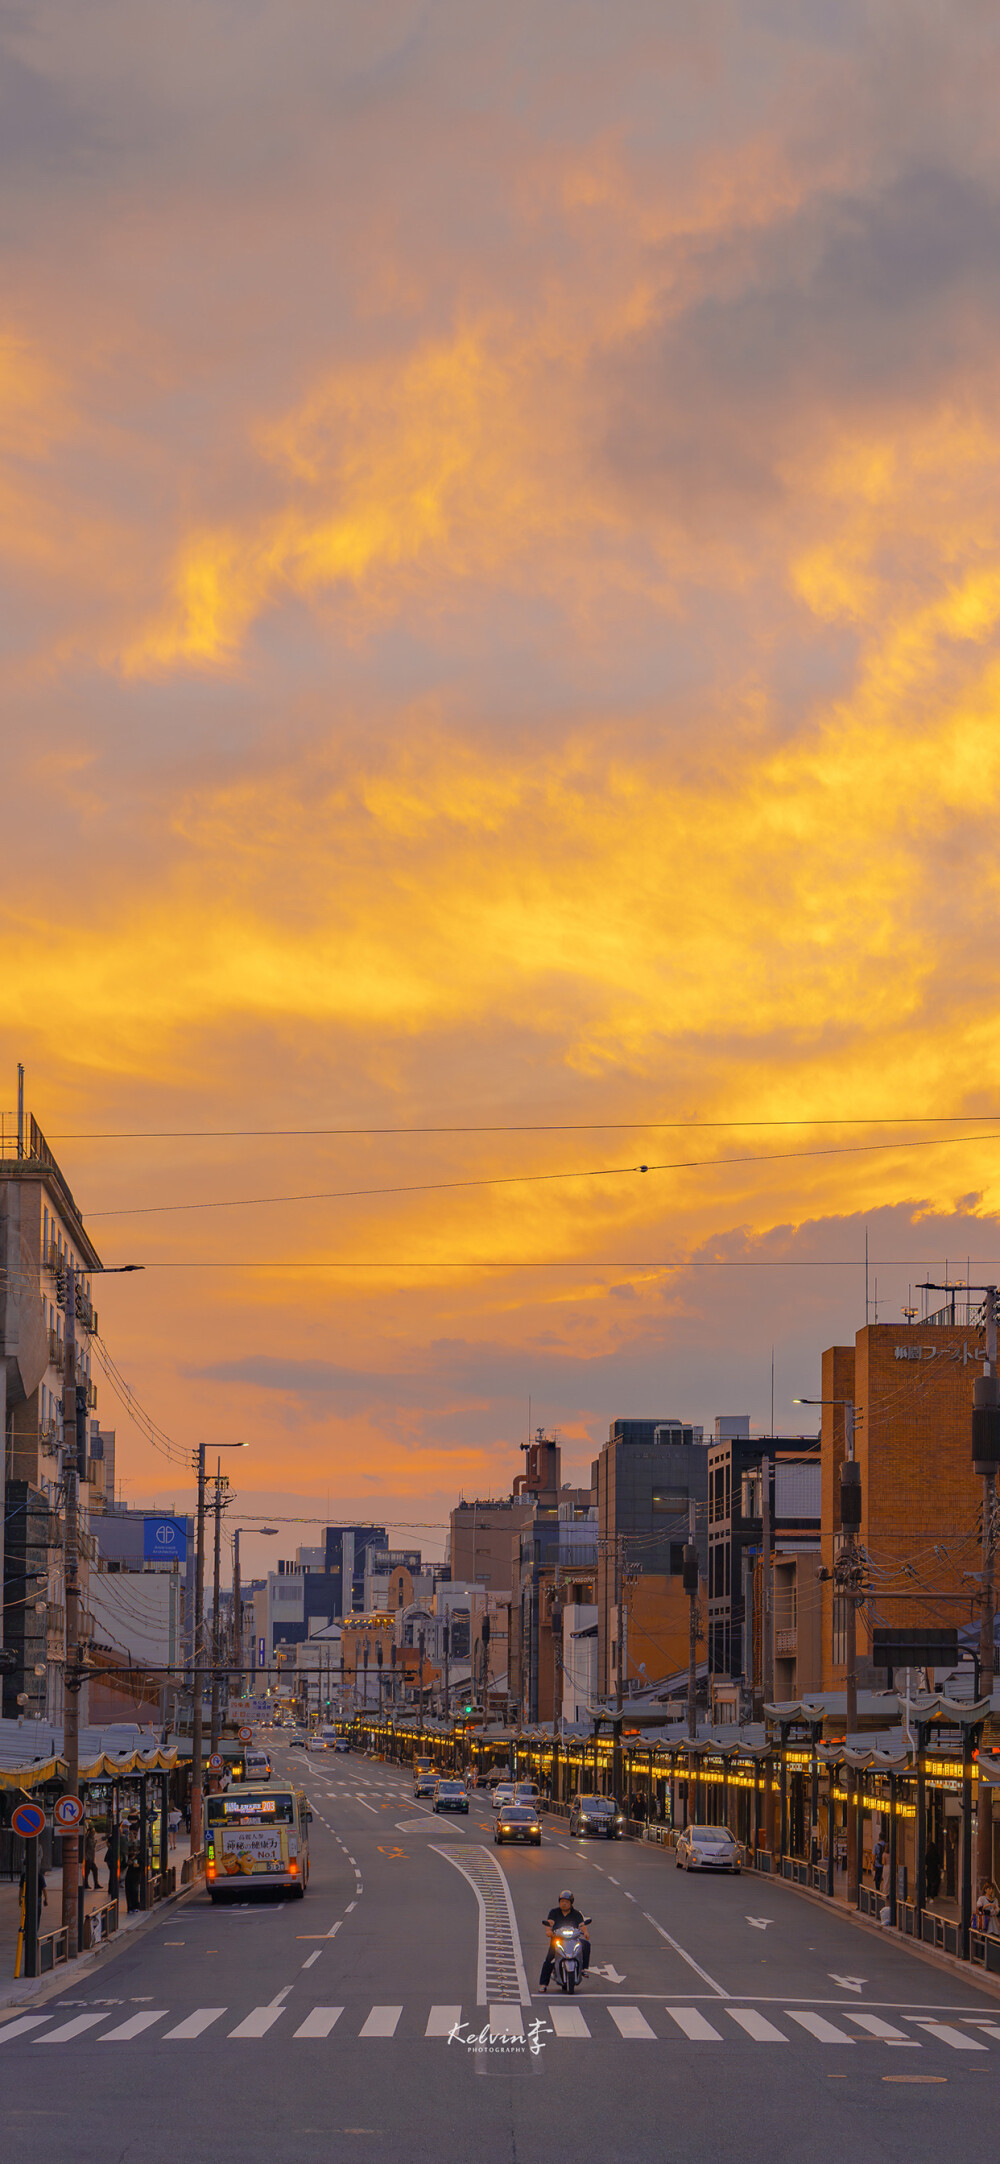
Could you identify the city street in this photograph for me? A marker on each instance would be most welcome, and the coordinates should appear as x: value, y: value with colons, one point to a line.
x: 395, y: 2012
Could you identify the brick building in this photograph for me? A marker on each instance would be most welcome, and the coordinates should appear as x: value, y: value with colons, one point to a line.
x: 910, y: 1384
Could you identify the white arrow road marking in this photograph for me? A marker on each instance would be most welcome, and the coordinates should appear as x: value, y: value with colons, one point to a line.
x: 847, y: 1983
x: 610, y: 1972
x: 760, y: 1923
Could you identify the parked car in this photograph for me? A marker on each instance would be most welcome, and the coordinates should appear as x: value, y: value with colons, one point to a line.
x: 709, y: 1848
x: 596, y: 1815
x: 451, y: 1796
x: 518, y: 1822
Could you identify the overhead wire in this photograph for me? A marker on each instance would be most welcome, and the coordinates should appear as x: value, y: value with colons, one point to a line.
x: 535, y: 1179
x: 514, y: 1127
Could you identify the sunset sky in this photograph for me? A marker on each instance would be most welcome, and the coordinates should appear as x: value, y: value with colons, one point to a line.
x: 500, y: 604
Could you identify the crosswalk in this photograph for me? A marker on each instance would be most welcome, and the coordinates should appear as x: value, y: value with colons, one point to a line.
x: 546, y: 2020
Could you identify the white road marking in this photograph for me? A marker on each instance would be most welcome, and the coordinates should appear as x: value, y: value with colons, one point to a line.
x: 366, y: 1806
x: 259, y: 2022
x: 882, y: 2029
x: 75, y: 2027
x: 20, y: 2028
x: 506, y: 2021
x: 689, y: 1958
x: 195, y: 2024
x: 941, y: 2029
x: 320, y: 2021
x: 351, y: 1906
x: 629, y: 2022
x: 848, y: 1983
x: 989, y: 2028
x: 279, y: 1995
x: 442, y: 2020
x: 694, y: 2025
x: 134, y: 2026
x: 756, y: 2025
x: 311, y: 1958
x: 381, y: 2021
x: 823, y: 2031
x: 334, y: 1928
x: 568, y: 2021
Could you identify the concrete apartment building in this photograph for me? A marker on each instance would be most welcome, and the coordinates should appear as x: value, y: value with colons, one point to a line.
x: 41, y: 1234
x: 648, y: 1474
x: 911, y: 1387
x: 735, y: 1534
x: 482, y: 1538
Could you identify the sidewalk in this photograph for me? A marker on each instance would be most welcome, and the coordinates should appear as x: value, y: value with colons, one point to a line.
x: 14, y: 1990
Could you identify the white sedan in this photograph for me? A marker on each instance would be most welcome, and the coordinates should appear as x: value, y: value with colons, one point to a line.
x: 709, y: 1848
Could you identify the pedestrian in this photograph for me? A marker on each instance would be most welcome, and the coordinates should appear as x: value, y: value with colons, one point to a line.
x: 43, y: 1896
x: 133, y: 1879
x: 173, y: 1826
x: 111, y: 1854
x: 878, y: 1863
x: 987, y: 1911
x: 932, y: 1870
x: 90, y: 1854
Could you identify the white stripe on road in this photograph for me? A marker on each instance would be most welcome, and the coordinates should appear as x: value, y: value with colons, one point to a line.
x: 689, y: 1958
x: 882, y: 2029
x: 19, y: 2028
x: 310, y: 1958
x: 195, y: 2024
x: 823, y: 2031
x: 366, y: 1806
x: 989, y: 2028
x: 442, y: 2020
x: 506, y: 2021
x: 259, y: 2022
x: 351, y: 1906
x: 382, y: 2021
x: 629, y: 2022
x: 694, y: 2025
x: 568, y: 2021
x: 941, y: 2029
x: 756, y: 2025
x: 72, y: 2028
x: 320, y: 2021
x: 134, y: 2026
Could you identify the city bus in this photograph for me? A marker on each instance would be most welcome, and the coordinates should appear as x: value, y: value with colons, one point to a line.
x: 257, y: 1841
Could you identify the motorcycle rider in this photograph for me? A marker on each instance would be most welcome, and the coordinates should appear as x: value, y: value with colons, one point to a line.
x: 564, y: 1912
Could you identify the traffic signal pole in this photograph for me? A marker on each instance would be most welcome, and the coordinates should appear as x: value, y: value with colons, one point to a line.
x: 72, y: 1677
x: 199, y: 1658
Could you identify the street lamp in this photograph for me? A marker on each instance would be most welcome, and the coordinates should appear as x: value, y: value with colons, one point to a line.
x: 271, y: 1531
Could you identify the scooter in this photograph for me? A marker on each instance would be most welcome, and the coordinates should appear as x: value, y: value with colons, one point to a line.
x: 567, y: 1955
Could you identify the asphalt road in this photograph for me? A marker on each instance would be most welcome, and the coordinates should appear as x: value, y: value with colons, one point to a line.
x: 394, y: 2013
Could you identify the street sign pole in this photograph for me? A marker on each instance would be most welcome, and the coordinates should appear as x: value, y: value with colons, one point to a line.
x: 31, y: 1906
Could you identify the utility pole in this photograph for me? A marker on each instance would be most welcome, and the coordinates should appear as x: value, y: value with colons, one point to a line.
x: 446, y: 1638
x: 72, y: 1677
x: 216, y: 1648
x: 690, y: 1584
x: 237, y: 1615
x: 848, y: 1579
x: 767, y: 1599
x: 199, y: 1657
x: 985, y: 1453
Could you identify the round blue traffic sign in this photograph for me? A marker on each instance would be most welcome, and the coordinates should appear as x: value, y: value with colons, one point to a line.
x: 28, y: 1819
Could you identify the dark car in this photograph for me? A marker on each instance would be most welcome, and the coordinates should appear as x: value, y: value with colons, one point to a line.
x: 598, y: 1816
x: 451, y: 1796
x: 298, y: 1743
x: 518, y: 1822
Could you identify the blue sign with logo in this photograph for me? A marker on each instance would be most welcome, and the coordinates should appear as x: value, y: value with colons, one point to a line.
x: 164, y: 1540
x: 262, y: 1652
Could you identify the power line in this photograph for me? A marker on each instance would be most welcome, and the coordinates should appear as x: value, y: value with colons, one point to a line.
x: 512, y: 1127
x: 535, y: 1179
x: 676, y: 1262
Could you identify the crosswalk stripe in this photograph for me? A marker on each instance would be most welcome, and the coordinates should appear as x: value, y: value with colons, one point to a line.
x: 320, y: 2021
x: 19, y: 2028
x: 694, y: 2025
x: 381, y: 2021
x: 72, y: 2028
x: 194, y: 2024
x: 883, y: 2029
x: 568, y: 2021
x: 756, y: 2025
x: 629, y: 2022
x: 259, y: 2022
x: 506, y: 2020
x: 134, y: 2026
x: 442, y: 2019
x: 941, y: 2029
x: 822, y: 2030
x: 989, y: 2028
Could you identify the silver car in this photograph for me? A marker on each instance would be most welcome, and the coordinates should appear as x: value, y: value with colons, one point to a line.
x: 709, y: 1848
